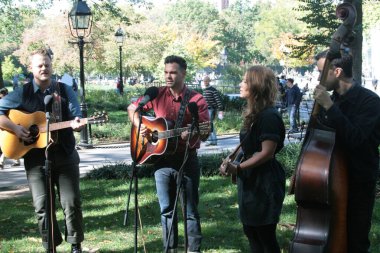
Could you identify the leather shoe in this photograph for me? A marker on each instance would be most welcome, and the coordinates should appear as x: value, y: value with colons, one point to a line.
x: 76, y: 248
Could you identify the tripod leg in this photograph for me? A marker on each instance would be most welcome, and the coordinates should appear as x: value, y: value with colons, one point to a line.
x: 136, y: 211
x: 129, y: 195
x: 184, y: 210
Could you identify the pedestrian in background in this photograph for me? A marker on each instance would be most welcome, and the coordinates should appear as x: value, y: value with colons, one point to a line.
x: 293, y: 94
x: 214, y: 103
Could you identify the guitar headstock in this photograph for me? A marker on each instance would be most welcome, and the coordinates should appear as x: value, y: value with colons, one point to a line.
x: 98, y: 118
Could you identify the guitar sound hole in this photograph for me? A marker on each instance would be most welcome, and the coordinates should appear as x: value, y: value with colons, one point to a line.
x: 34, y: 133
x: 154, y: 136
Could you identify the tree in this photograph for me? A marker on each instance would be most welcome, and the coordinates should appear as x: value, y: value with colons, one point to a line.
x: 192, y: 14
x: 14, y: 20
x: 235, y: 32
x: 277, y: 28
x: 9, y: 68
x: 322, y: 22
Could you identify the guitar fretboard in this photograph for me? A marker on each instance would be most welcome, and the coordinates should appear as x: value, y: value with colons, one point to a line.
x: 61, y: 125
x: 176, y: 132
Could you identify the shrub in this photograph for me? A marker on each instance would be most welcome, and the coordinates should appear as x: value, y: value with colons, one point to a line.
x: 209, y: 165
x: 119, y: 171
x: 288, y: 157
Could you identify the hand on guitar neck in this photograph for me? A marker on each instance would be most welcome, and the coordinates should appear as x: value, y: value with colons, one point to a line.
x: 77, y: 125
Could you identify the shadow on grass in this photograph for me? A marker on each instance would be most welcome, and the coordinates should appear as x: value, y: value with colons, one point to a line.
x: 104, y: 203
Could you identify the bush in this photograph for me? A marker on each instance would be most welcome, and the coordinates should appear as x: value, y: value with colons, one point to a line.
x: 288, y: 157
x: 119, y: 171
x: 233, y: 104
x: 209, y: 165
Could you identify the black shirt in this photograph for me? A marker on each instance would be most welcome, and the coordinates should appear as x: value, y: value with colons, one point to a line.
x: 261, y: 190
x: 356, y: 118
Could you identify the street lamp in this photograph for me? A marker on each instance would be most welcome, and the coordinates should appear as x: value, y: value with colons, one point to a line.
x: 80, y: 22
x: 284, y: 62
x: 119, y: 37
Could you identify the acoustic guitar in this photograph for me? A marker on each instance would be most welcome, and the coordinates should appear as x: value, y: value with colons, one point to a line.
x: 235, y: 157
x: 160, y: 140
x: 35, y: 122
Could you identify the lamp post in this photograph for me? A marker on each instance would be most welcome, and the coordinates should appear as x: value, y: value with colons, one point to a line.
x: 119, y: 37
x: 80, y: 22
x: 284, y: 62
x: 223, y: 56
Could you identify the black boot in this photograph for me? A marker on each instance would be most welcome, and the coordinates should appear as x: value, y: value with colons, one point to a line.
x: 76, y: 248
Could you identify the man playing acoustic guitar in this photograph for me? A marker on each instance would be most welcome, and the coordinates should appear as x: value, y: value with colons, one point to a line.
x: 63, y: 156
x: 167, y: 105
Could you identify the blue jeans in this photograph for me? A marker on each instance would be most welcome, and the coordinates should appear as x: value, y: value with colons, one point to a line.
x: 166, y: 185
x: 212, y: 138
x: 292, y: 117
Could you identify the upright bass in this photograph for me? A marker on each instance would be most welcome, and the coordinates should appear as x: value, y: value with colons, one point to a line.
x: 320, y: 179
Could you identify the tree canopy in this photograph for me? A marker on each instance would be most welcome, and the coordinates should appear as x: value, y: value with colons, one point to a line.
x: 264, y: 32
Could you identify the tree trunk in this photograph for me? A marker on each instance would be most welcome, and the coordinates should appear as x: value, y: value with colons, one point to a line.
x: 357, y: 45
x: 1, y: 76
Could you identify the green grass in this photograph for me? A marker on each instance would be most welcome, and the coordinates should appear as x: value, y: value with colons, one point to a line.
x: 104, y: 203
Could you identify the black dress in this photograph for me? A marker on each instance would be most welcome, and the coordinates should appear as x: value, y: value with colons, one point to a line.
x: 261, y: 190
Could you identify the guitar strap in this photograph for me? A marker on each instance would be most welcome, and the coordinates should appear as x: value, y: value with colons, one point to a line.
x: 181, y: 113
x: 56, y: 107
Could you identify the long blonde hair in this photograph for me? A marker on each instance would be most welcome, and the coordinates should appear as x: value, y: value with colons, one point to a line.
x: 262, y: 88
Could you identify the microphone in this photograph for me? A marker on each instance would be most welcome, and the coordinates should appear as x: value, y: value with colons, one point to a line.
x: 47, y: 101
x: 193, y: 108
x: 150, y: 94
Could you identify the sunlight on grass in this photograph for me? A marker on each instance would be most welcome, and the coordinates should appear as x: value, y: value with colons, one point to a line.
x: 104, y: 204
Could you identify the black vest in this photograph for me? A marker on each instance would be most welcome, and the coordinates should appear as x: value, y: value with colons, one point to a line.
x: 31, y: 102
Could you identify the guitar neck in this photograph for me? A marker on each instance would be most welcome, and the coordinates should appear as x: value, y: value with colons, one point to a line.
x: 61, y: 125
x: 171, y: 133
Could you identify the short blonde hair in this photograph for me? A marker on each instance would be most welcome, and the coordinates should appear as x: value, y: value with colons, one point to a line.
x: 41, y: 51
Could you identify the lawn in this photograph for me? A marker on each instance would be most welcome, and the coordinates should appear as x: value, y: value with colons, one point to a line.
x: 104, y: 204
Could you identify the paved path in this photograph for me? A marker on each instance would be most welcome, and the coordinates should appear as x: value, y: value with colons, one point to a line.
x: 13, y: 178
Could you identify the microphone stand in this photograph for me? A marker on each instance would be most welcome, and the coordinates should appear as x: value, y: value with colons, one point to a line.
x: 49, y: 201
x: 181, y: 187
x: 134, y: 179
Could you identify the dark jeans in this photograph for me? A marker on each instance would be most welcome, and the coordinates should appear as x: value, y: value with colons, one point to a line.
x: 361, y: 198
x: 262, y: 239
x: 65, y: 176
x: 166, y: 177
